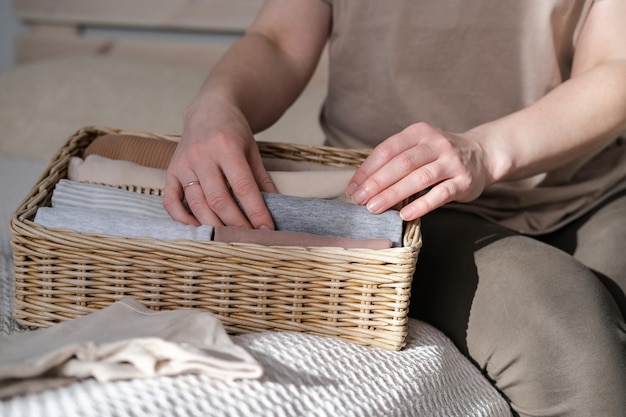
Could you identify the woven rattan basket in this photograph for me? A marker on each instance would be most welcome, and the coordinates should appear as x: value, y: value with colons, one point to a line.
x: 358, y: 294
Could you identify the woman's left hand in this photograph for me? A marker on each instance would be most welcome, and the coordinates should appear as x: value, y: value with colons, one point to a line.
x: 422, y: 160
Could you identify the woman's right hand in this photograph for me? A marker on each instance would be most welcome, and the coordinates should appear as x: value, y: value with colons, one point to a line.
x: 216, y: 160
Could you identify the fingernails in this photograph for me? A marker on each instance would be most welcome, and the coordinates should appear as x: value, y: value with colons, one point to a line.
x: 374, y: 206
x: 351, y: 188
x: 407, y: 213
x: 359, y: 197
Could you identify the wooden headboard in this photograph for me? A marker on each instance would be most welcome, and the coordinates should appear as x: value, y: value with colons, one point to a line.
x: 182, y: 32
x: 178, y: 32
x: 191, y: 34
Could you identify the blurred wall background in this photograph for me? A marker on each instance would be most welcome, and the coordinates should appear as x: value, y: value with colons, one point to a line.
x: 8, y: 27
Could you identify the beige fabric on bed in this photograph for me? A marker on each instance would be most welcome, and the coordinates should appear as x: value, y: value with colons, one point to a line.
x: 125, y: 340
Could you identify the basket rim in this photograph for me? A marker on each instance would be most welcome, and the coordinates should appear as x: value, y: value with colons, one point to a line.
x: 42, y: 190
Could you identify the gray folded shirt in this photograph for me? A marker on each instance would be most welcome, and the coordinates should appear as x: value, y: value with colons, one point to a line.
x: 296, y: 214
x: 100, y: 221
x: 333, y: 218
x: 74, y: 194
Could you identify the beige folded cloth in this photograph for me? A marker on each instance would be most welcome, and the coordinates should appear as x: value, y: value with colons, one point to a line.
x: 98, y: 169
x: 313, y: 184
x: 322, y: 183
x: 124, y: 340
x: 232, y: 234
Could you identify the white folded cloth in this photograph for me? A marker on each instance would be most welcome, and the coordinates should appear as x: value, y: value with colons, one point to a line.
x: 124, y: 340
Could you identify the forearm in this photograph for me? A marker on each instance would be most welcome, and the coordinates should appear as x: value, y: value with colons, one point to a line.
x: 255, y: 77
x: 573, y: 120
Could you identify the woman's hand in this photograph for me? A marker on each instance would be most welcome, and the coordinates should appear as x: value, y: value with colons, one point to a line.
x: 217, y: 154
x: 421, y: 160
x: 217, y: 161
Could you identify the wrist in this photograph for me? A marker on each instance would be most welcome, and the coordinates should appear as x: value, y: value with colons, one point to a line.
x: 209, y: 104
x: 495, y: 157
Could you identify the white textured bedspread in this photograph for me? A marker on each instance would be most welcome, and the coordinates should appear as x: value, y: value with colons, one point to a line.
x: 305, y: 375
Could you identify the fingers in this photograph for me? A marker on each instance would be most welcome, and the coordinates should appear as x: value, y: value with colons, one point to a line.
x: 404, y: 186
x: 396, y: 169
x: 380, y: 157
x: 425, y: 181
x: 212, y: 203
x: 173, y: 202
x: 420, y: 161
x: 220, y: 195
x: 261, y: 176
x: 247, y: 178
x: 428, y: 201
x: 410, y: 163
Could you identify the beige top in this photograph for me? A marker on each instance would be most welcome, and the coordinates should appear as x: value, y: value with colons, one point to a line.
x: 457, y: 64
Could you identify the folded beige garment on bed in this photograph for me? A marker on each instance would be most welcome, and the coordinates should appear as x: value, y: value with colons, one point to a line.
x: 124, y: 340
x: 322, y: 183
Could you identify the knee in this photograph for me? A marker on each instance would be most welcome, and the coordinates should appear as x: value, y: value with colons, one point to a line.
x: 539, y: 315
x: 536, y: 300
x: 536, y: 276
x: 533, y: 284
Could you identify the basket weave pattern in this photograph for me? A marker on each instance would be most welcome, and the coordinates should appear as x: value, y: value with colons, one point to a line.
x: 358, y: 294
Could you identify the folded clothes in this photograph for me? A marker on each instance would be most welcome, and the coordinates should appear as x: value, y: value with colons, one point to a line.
x: 114, y: 223
x: 157, y: 153
x: 232, y: 234
x: 146, y: 151
x: 333, y: 218
x: 307, y: 215
x: 74, y: 194
x: 309, y: 184
x: 98, y: 169
x: 313, y: 184
x: 122, y: 341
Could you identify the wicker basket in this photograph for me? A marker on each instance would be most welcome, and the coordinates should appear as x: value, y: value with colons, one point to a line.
x: 358, y: 294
